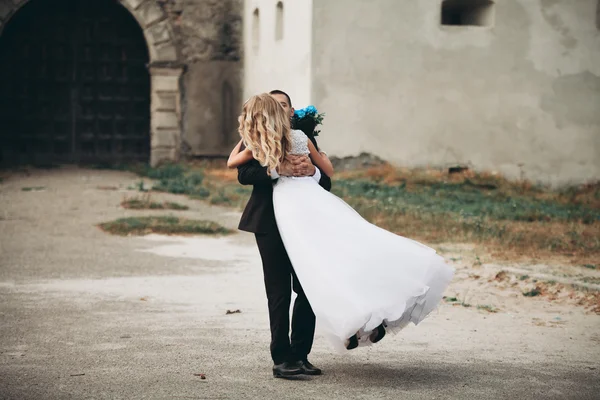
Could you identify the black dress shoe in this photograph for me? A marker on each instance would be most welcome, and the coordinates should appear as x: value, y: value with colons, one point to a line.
x: 309, y: 369
x: 287, y: 369
x: 352, y: 343
x: 378, y: 334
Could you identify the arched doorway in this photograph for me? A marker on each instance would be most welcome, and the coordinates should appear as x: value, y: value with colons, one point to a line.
x: 74, y: 84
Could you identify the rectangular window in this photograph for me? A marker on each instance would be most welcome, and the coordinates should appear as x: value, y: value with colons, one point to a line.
x: 279, y: 22
x: 468, y: 12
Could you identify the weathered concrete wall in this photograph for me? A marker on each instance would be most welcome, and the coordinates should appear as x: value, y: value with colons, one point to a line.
x: 524, y: 93
x: 278, y: 63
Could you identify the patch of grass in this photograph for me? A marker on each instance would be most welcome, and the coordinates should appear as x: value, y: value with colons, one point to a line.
x: 33, y: 189
x: 104, y: 187
x: 165, y: 172
x: 172, y: 178
x: 591, y: 279
x: 510, y: 220
x: 456, y: 301
x: 169, y: 205
x: 532, y: 293
x: 514, y: 220
x: 225, y: 189
x: 167, y: 225
x: 590, y: 266
x: 488, y: 308
x: 204, y: 180
x: 200, y: 193
x: 466, y: 200
x: 145, y: 203
x: 178, y: 182
x: 587, y: 194
x: 523, y: 277
x: 221, y: 198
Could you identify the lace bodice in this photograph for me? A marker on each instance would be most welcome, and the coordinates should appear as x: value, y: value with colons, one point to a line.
x: 299, y: 142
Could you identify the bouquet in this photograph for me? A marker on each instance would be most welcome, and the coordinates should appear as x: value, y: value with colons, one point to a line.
x: 306, y: 120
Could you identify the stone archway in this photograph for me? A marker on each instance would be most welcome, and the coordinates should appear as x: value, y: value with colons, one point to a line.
x: 164, y: 68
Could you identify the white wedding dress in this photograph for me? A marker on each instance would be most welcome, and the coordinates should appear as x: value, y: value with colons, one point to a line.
x: 355, y: 275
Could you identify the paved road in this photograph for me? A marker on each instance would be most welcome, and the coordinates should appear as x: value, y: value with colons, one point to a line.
x: 86, y: 315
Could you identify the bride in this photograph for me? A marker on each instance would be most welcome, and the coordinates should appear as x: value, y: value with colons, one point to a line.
x: 360, y: 280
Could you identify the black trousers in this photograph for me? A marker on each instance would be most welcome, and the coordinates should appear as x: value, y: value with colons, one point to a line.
x: 279, y: 276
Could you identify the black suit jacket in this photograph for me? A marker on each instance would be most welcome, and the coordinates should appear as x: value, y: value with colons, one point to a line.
x: 258, y: 216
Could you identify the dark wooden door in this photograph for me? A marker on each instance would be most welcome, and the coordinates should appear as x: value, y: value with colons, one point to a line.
x: 74, y: 84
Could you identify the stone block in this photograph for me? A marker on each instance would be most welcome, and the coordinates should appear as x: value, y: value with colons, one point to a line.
x: 159, y: 32
x: 163, y: 52
x: 163, y: 154
x: 165, y: 70
x: 149, y: 13
x: 165, y: 138
x: 133, y: 3
x: 165, y: 102
x: 165, y: 83
x: 164, y: 120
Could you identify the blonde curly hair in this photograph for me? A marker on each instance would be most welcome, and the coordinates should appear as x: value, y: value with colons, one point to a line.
x: 265, y: 130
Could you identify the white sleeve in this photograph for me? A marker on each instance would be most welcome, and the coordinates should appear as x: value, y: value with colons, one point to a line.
x: 317, y: 175
x: 274, y: 174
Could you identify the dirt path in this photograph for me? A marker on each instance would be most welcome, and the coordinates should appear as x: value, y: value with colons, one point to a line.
x: 88, y: 315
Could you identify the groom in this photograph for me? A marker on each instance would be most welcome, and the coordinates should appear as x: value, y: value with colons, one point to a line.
x: 289, y: 357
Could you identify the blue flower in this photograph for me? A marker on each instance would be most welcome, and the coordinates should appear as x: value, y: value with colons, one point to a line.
x: 310, y: 111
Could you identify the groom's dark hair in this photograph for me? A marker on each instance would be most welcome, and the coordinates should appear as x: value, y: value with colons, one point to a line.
x: 277, y: 91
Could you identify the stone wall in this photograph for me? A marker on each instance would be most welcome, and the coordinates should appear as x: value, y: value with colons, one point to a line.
x: 206, y: 29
